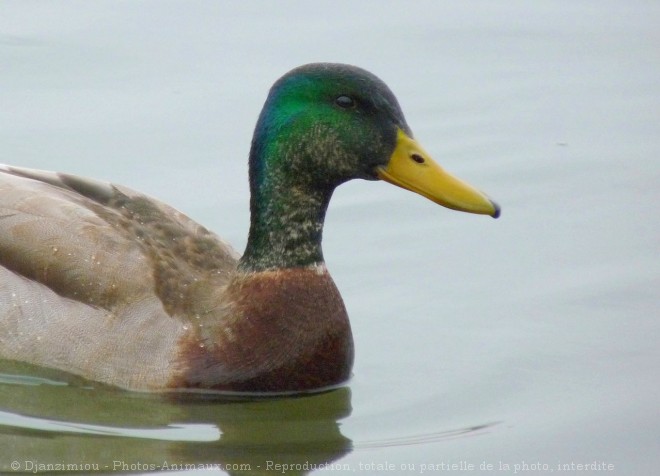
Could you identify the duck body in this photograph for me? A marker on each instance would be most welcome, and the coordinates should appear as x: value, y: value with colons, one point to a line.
x: 101, y: 281
x: 126, y: 289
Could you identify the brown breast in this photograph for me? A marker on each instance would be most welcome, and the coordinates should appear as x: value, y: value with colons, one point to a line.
x: 284, y: 330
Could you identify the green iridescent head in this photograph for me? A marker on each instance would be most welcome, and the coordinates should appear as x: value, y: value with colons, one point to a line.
x: 323, y: 124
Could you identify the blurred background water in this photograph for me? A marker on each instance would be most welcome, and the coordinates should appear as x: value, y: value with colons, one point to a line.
x: 531, y: 340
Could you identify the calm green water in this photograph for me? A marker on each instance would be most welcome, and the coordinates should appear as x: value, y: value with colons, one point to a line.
x: 528, y: 343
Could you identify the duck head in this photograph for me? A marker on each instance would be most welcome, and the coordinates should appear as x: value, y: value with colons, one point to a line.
x: 324, y: 124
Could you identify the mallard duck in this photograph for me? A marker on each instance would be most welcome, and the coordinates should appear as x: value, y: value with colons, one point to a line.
x: 106, y: 283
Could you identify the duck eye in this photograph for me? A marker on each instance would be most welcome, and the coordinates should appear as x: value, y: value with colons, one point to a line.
x: 417, y: 158
x: 345, y: 101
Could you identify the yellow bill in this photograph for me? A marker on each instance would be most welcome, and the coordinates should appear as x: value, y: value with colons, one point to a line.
x: 410, y: 167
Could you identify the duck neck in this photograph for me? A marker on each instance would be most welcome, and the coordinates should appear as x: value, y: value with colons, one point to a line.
x: 286, y: 222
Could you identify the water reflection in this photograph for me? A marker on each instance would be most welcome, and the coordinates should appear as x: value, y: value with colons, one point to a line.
x: 43, y: 421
